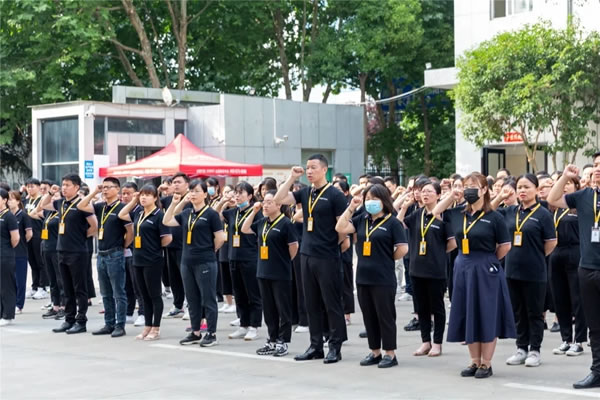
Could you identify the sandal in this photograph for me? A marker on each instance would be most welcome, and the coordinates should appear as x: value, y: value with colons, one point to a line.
x: 420, y: 352
x: 143, y: 335
x: 435, y: 353
x: 153, y: 335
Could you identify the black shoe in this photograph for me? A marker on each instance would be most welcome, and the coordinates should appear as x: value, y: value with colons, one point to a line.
x: 310, y: 354
x: 333, y: 356
x: 471, y: 370
x: 77, y: 328
x: 362, y: 334
x: 210, y: 339
x: 192, y: 338
x: 484, y: 372
x: 387, y: 362
x: 63, y: 328
x: 590, y: 381
x: 118, y: 331
x: 555, y: 327
x: 60, y: 315
x: 105, y: 330
x: 545, y: 326
x: 413, y: 325
x: 50, y: 314
x: 370, y: 360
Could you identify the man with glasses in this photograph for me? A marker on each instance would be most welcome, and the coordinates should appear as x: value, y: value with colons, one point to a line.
x: 114, y: 236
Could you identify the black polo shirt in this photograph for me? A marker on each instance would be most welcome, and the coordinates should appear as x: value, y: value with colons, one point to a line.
x: 51, y: 218
x: 322, y: 242
x: 583, y: 201
x: 151, y: 232
x: 177, y: 232
x: 114, y: 227
x: 489, y: 231
x: 247, y: 250
x: 223, y: 253
x: 567, y: 232
x: 528, y: 262
x: 24, y: 223
x: 380, y: 267
x: 436, y: 237
x: 36, y: 224
x: 202, y: 248
x: 8, y: 223
x: 75, y: 237
x: 279, y: 264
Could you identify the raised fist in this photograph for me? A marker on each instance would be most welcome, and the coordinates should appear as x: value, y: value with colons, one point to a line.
x: 297, y: 172
x: 257, y: 206
x: 571, y: 171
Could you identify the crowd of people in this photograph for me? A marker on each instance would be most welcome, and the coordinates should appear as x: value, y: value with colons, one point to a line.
x: 505, y: 249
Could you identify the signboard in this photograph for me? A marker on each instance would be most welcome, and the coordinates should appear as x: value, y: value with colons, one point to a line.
x: 512, y: 137
x: 88, y: 169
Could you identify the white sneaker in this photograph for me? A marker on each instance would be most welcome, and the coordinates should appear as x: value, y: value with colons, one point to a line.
x: 29, y: 294
x: 518, y: 358
x: 4, y: 322
x: 562, y: 349
x: 18, y: 311
x: 405, y: 297
x: 223, y: 307
x: 235, y: 322
x: 129, y: 319
x: 575, y: 350
x: 186, y: 316
x: 252, y: 334
x: 239, y: 333
x: 40, y: 294
x: 46, y: 306
x: 169, y: 295
x: 301, y: 329
x: 533, y: 359
x: 140, y: 321
x: 230, y: 309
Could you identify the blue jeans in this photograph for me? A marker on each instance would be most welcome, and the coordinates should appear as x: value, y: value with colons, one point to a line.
x: 111, y: 276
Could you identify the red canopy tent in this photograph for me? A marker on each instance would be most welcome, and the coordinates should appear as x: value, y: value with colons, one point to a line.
x: 181, y: 155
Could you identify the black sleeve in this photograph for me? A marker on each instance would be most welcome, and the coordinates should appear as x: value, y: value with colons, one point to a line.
x: 298, y: 195
x: 26, y: 221
x: 398, y: 234
x: 11, y: 222
x: 215, y: 222
x: 409, y: 220
x: 339, y: 203
x: 290, y: 232
x: 548, y: 229
x: 573, y: 198
x: 501, y: 231
x: 57, y: 203
x: 255, y: 225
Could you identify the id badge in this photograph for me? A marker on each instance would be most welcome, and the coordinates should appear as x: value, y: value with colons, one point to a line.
x: 264, y: 252
x: 226, y: 233
x: 100, y: 233
x: 309, y: 224
x: 236, y: 241
x: 518, y: 239
x: 366, y: 249
x: 44, y: 234
x: 189, y: 238
x: 422, y: 248
x: 595, y: 235
x: 138, y: 242
x: 61, y: 228
x: 465, y: 246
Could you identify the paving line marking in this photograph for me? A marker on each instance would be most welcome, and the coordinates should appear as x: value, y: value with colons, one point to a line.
x: 573, y: 392
x: 17, y: 330
x: 223, y: 353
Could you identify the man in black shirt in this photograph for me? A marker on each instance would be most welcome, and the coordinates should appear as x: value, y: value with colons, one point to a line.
x: 322, y: 205
x: 74, y: 227
x: 39, y: 277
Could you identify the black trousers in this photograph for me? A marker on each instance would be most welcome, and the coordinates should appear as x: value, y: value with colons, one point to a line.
x: 348, y: 287
x: 57, y: 291
x: 165, y: 270
x: 549, y: 301
x: 73, y: 270
x: 8, y: 287
x: 589, y: 282
x: 379, y: 315
x: 323, y: 285
x: 174, y: 264
x: 247, y: 292
x: 132, y: 289
x: 451, y: 258
x: 527, y: 300
x: 409, y: 285
x: 299, y: 315
x: 91, y: 290
x: 226, y: 283
x: 277, y: 305
x: 39, y: 278
x: 149, y: 280
x: 430, y: 296
x: 564, y: 277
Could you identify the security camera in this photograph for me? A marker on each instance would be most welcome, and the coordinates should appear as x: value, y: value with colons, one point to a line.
x: 285, y: 137
x: 89, y: 114
x: 279, y: 140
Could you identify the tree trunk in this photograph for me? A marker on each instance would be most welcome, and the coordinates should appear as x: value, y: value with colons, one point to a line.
x: 363, y: 98
x: 182, y: 46
x: 391, y: 120
x: 427, y: 130
x: 308, y: 85
x: 327, y: 93
x: 285, y: 68
x: 128, y: 68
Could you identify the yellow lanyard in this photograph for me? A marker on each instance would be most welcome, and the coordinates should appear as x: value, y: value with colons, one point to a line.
x: 103, y: 218
x: 50, y: 219
x: 467, y: 229
x: 142, y: 219
x: 425, y: 229
x: 64, y: 213
x: 369, y: 232
x: 265, y: 231
x: 34, y: 204
x: 596, y: 214
x: 311, y: 205
x: 518, y: 227
x: 214, y: 201
x: 557, y: 220
x: 190, y: 223
x: 3, y: 212
x: 239, y: 221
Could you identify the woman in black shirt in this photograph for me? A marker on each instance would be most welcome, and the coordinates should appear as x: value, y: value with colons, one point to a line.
x: 380, y: 241
x: 9, y: 239
x: 224, y: 281
x: 347, y: 257
x: 26, y: 233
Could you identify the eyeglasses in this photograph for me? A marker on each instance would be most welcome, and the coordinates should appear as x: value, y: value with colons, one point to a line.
x: 428, y: 192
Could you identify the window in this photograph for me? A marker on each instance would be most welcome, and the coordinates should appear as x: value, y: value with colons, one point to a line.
x: 100, y: 135
x: 60, y: 147
x: 180, y: 126
x: 136, y: 125
x: 504, y: 8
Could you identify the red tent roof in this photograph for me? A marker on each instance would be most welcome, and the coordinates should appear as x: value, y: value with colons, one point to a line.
x: 181, y: 155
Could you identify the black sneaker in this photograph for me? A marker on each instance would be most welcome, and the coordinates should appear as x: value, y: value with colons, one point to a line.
x: 50, y: 314
x: 281, y: 349
x: 362, y: 334
x: 555, y: 327
x: 60, y: 315
x: 413, y: 325
x: 192, y: 338
x: 209, y: 340
x: 267, y: 350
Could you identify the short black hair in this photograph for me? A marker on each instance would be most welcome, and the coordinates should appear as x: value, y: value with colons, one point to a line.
x: 46, y: 182
x: 390, y: 179
x: 503, y: 170
x: 73, y: 178
x: 112, y: 179
x: 343, y: 186
x: 511, y: 183
x: 376, y: 181
x: 131, y: 185
x: 4, y: 193
x: 541, y: 173
x: 32, y: 181
x: 244, y: 186
x: 436, y: 186
x: 198, y: 182
x: 269, y: 182
x: 531, y: 178
x: 182, y: 175
x: 455, y: 176
x: 321, y: 158
x: 167, y: 180
x: 590, y: 165
x: 212, y: 181
x: 5, y: 186
x: 383, y: 194
x: 84, y: 189
x: 422, y: 181
x: 368, y: 176
x: 341, y: 177
x: 596, y: 154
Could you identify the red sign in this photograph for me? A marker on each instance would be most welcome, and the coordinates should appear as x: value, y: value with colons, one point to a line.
x: 512, y: 137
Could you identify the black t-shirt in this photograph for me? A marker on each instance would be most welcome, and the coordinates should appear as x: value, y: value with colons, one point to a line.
x: 202, y: 247
x: 567, y: 232
x: 36, y: 224
x: 484, y: 235
x: 380, y: 267
x: 583, y: 201
x: 75, y: 237
x: 528, y: 261
x: 24, y: 222
x: 113, y: 226
x: 151, y: 230
x: 51, y: 223
x: 176, y: 231
x: 323, y: 240
x: 278, y: 266
x: 8, y: 223
x: 247, y: 250
x: 427, y: 265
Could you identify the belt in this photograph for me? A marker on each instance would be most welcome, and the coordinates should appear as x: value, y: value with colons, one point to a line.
x: 109, y: 251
